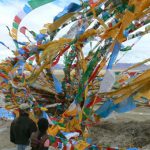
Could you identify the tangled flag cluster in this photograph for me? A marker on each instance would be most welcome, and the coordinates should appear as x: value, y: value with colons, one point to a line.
x: 69, y: 105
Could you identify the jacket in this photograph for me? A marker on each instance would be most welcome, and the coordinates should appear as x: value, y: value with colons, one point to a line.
x: 21, y: 130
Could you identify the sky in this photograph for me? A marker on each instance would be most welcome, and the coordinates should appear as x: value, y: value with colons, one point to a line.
x: 33, y: 21
x: 45, y: 14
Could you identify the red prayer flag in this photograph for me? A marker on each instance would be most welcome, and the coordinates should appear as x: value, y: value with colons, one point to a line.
x: 94, y: 73
x: 32, y: 58
x: 3, y: 75
x: 55, y: 144
x: 60, y: 54
x: 132, y: 73
x: 23, y: 29
x: 17, y: 19
x: 93, y: 3
x: 94, y: 101
x: 26, y: 50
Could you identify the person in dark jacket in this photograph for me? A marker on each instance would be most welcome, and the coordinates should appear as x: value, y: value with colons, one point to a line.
x: 39, y: 139
x: 22, y: 128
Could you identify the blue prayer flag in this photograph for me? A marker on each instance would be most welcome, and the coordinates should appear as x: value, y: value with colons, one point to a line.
x: 27, y: 9
x: 114, y: 55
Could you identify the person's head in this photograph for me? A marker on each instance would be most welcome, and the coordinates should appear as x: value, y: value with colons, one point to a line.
x: 24, y: 109
x: 43, y: 125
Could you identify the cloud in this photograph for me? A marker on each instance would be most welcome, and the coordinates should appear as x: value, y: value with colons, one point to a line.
x: 37, y: 18
x: 139, y: 52
x: 8, y: 10
x: 34, y: 21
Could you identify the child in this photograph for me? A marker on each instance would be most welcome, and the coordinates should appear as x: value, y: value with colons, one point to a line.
x: 39, y: 139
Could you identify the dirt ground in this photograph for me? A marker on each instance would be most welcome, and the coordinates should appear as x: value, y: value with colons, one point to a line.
x: 124, y: 130
x: 119, y: 130
x: 4, y: 136
x: 122, y: 134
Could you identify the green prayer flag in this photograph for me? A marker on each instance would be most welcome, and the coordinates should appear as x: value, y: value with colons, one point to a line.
x: 52, y: 139
x: 64, y: 141
x: 58, y: 123
x: 126, y: 49
x: 87, y: 74
x: 87, y: 112
x: 15, y: 25
x: 36, y: 3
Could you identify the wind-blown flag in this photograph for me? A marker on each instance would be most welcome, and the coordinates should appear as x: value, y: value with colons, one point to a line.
x: 33, y: 34
x: 21, y: 64
x: 90, y: 102
x: 69, y: 135
x: 40, y: 37
x: 73, y: 110
x: 20, y: 43
x: 21, y: 51
x: 23, y: 30
x: 57, y: 84
x: 108, y: 81
x: 106, y: 109
x: 60, y: 54
x: 4, y: 44
x: 27, y: 9
x: 3, y: 75
x: 93, y: 3
x: 114, y: 54
x: 45, y: 115
x: 126, y: 105
x: 36, y: 3
x: 31, y: 59
x: 72, y: 7
x: 31, y: 5
x: 17, y: 20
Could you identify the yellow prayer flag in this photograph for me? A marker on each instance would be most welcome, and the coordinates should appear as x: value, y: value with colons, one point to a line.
x: 43, y: 31
x: 53, y: 130
x: 81, y: 145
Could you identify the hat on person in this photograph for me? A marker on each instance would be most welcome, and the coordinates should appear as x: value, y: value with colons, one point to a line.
x: 24, y: 106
